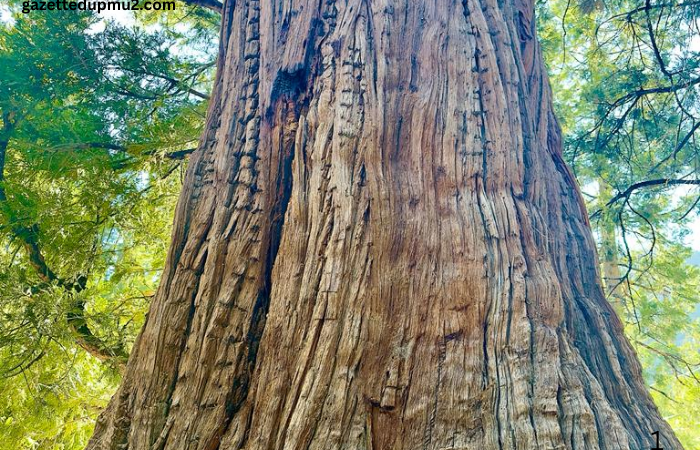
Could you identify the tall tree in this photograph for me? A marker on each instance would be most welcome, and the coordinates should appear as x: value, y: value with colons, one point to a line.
x: 379, y: 246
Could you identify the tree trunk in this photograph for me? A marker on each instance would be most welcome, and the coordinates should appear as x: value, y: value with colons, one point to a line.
x: 609, y: 252
x: 379, y: 247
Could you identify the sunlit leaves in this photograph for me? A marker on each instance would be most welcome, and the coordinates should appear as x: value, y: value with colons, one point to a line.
x: 626, y: 85
x: 95, y: 113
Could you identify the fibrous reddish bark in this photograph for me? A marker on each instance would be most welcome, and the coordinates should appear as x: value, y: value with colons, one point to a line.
x: 378, y: 246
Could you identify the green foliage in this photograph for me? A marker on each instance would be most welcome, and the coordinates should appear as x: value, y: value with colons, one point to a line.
x: 53, y: 405
x: 95, y: 121
x: 665, y: 330
x: 627, y: 83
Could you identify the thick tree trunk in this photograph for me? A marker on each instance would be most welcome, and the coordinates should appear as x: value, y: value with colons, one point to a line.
x: 378, y: 246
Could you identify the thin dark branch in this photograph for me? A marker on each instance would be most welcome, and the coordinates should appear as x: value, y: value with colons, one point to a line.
x: 626, y: 277
x: 174, y: 83
x: 644, y: 7
x: 680, y: 145
x: 692, y: 207
x: 654, y: 45
x: 7, y: 127
x: 29, y: 238
x: 657, y: 90
x: 212, y: 5
x: 176, y: 155
x: 179, y: 154
x: 648, y: 183
x: 664, y: 394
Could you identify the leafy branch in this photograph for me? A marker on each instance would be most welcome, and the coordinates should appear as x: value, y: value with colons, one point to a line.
x: 29, y: 239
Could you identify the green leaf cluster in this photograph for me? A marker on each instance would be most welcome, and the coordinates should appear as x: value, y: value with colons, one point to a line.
x: 626, y: 82
x: 96, y: 121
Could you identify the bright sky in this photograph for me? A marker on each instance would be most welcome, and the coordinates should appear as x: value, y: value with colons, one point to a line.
x: 4, y: 14
x: 121, y: 17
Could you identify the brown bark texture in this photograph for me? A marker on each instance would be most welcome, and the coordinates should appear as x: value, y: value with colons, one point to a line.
x: 379, y: 247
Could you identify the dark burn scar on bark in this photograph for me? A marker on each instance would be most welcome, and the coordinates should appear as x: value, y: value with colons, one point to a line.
x: 524, y: 27
x: 287, y: 86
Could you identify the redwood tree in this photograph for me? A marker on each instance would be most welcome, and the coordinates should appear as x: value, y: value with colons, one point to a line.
x: 378, y: 246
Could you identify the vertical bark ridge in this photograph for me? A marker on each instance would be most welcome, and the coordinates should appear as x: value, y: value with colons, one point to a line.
x: 379, y: 247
